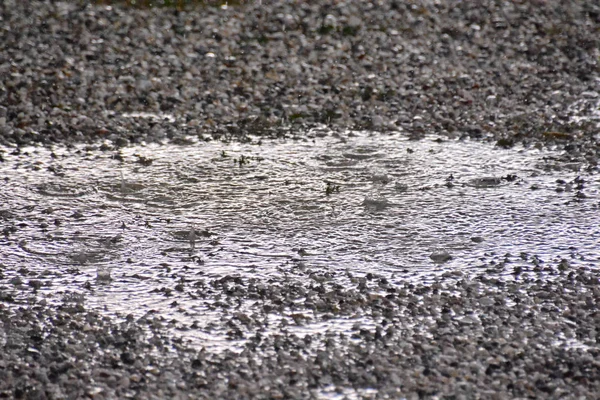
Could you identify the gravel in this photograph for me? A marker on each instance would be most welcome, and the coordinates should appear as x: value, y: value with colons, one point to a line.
x: 505, y: 72
x: 457, y: 337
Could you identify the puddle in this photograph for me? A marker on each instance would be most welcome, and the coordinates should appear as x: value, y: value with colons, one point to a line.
x: 157, y: 117
x: 168, y: 223
x: 586, y: 109
x: 152, y: 116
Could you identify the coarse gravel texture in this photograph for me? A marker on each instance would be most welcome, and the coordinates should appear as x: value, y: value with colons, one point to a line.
x: 508, y: 70
x: 489, y: 337
x: 502, y: 71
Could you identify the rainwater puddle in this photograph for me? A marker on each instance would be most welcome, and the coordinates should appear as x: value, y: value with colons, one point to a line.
x: 152, y: 116
x: 170, y: 223
x: 586, y: 109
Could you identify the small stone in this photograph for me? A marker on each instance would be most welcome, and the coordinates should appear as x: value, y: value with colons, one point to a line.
x: 440, y: 257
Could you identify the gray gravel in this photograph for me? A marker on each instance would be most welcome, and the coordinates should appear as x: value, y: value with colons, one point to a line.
x: 534, y: 336
x: 503, y: 70
x: 507, y: 72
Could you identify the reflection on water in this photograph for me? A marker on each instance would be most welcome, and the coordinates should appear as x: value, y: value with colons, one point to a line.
x: 134, y: 231
x: 587, y: 108
x: 147, y: 115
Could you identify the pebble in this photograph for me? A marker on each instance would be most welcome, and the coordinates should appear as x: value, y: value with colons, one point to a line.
x: 264, y: 65
x: 100, y: 73
x: 440, y: 256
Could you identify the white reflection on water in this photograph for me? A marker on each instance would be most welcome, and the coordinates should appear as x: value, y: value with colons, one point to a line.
x: 265, y: 212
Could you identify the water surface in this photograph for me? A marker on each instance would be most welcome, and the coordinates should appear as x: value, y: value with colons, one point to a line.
x: 168, y: 221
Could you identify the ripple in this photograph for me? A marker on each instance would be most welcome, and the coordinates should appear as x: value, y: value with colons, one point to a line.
x: 59, y: 190
x: 323, y: 210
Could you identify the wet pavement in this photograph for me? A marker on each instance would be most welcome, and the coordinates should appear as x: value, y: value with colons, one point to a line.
x: 454, y: 254
x: 167, y: 230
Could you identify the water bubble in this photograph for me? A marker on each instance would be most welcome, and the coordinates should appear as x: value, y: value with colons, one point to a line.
x: 103, y: 274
